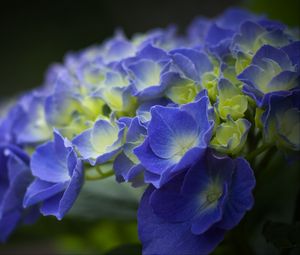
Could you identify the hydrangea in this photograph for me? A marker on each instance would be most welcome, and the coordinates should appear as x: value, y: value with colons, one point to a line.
x: 15, y: 176
x: 187, y: 115
x: 190, y: 213
x: 177, y: 136
x: 281, y: 121
x: 58, y: 177
x: 271, y: 71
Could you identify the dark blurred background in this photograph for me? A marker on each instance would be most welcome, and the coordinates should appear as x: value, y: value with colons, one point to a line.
x: 35, y: 34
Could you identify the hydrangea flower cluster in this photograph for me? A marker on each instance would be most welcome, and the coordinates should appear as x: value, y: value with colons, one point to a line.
x: 179, y: 113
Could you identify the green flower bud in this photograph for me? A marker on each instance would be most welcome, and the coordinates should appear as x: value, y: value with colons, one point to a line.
x: 231, y: 101
x: 183, y: 92
x: 231, y: 136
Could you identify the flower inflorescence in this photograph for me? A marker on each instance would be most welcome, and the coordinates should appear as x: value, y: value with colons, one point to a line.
x: 179, y: 113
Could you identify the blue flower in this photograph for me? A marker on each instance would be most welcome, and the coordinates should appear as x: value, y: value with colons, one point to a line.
x: 293, y: 51
x: 192, y: 63
x: 219, y: 35
x: 7, y: 123
x: 126, y: 165
x: 102, y: 142
x: 281, y: 121
x: 15, y: 176
x: 253, y: 35
x: 143, y: 111
x: 177, y: 136
x: 148, y: 72
x: 271, y: 71
x: 115, y: 91
x: 29, y: 123
x: 190, y: 214
x: 71, y: 108
x: 59, y: 177
x: 116, y: 49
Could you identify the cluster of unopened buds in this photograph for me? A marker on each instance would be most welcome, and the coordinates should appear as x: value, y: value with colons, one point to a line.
x: 186, y: 115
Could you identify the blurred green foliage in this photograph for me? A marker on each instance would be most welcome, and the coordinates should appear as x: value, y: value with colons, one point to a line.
x: 71, y: 236
x: 286, y: 11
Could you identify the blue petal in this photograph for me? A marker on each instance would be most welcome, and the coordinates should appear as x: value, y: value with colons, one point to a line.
x: 234, y: 17
x: 153, y: 53
x: 293, y: 51
x: 286, y: 80
x: 216, y: 35
x: 71, y: 192
x: 59, y: 204
x: 8, y: 224
x: 49, y: 161
x: 40, y: 190
x: 149, y: 160
x: 273, y: 53
x: 169, y: 127
x: 241, y: 198
x: 126, y: 170
x: 192, y: 63
x: 160, y: 237
x: 170, y: 204
x: 202, y: 114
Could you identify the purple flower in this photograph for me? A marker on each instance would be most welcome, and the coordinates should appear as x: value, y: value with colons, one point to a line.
x: 59, y: 177
x: 190, y: 213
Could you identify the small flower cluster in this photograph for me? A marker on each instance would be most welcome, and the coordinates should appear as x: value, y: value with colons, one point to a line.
x: 183, y: 114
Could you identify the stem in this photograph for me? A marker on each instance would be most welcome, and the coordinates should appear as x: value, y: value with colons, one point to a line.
x: 100, y: 175
x: 258, y: 151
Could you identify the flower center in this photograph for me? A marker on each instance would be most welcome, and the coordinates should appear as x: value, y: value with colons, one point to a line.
x: 214, y: 192
x: 212, y: 197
